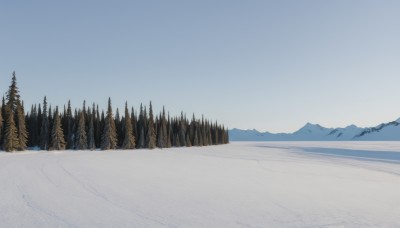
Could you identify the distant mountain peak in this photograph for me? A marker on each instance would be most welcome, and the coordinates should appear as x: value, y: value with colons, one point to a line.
x: 314, y: 132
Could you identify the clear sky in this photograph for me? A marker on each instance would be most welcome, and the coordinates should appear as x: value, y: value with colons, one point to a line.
x: 269, y: 65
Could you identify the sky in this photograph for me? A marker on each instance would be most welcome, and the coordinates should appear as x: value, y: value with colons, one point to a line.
x: 265, y: 65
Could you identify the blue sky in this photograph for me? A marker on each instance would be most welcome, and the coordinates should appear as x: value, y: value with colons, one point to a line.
x: 269, y: 65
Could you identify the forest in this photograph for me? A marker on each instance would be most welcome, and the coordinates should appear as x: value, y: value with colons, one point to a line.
x: 88, y: 128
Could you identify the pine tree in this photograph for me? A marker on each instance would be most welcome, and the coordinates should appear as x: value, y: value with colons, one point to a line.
x: 151, y: 133
x: 44, y: 130
x: 109, y: 137
x: 129, y: 139
x: 33, y: 129
x: 141, y: 129
x: 98, y: 128
x: 16, y: 118
x: 182, y: 131
x: 134, y: 123
x: 81, y: 138
x: 91, y: 142
x: 69, y: 129
x: 13, y: 94
x: 11, y: 133
x: 57, y: 135
x: 21, y: 127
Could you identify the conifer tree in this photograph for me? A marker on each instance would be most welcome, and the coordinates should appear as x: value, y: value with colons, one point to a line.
x: 188, y: 143
x: 118, y: 127
x: 44, y: 130
x: 33, y: 129
x: 13, y: 94
x: 151, y: 133
x: 134, y: 123
x: 182, y: 131
x: 15, y: 112
x: 21, y: 127
x: 98, y: 128
x: 3, y: 108
x: 57, y: 134
x: 69, y: 129
x: 109, y: 137
x: 129, y: 139
x: 11, y: 133
x: 91, y: 141
x: 81, y: 138
x: 141, y: 129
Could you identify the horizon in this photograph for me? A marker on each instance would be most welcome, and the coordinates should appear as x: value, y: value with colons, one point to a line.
x: 265, y: 65
x: 316, y: 124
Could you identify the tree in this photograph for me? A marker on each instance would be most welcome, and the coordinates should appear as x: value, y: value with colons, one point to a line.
x: 129, y: 139
x: 141, y: 129
x: 21, y: 127
x: 57, y: 134
x: 44, y: 129
x: 91, y: 141
x: 16, y: 117
x: 69, y: 127
x: 11, y: 133
x: 13, y: 94
x: 151, y: 133
x: 81, y: 138
x: 109, y: 137
x: 33, y: 127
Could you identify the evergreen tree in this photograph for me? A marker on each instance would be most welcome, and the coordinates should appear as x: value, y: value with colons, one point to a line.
x: 81, y: 138
x: 151, y: 133
x: 182, y: 131
x: 129, y: 139
x: 15, y: 112
x: 33, y: 129
x: 13, y: 95
x: 91, y: 142
x: 44, y: 130
x: 98, y: 128
x: 57, y: 134
x: 134, y: 123
x: 69, y: 129
x: 21, y: 128
x: 11, y: 133
x: 109, y: 137
x: 141, y: 129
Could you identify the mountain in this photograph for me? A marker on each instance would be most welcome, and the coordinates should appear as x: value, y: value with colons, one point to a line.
x: 315, y: 132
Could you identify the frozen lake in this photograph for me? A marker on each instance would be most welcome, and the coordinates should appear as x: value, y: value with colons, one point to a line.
x: 243, y: 184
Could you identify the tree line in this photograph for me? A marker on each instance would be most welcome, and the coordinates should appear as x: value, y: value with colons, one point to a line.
x: 90, y: 128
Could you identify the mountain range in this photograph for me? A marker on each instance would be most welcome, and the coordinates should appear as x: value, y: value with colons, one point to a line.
x: 315, y: 132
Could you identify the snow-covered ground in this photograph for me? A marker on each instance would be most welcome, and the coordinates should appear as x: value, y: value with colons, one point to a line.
x: 274, y: 184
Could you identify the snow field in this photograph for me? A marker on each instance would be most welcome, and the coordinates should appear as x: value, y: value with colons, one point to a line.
x: 282, y: 184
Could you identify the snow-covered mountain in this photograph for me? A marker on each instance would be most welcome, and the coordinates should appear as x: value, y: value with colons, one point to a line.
x: 315, y: 132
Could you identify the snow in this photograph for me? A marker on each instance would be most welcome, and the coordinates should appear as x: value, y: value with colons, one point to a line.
x: 247, y: 184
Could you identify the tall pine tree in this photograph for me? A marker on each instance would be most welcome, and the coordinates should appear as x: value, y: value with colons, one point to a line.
x: 44, y: 129
x: 57, y: 134
x: 129, y: 139
x: 151, y: 133
x: 81, y: 138
x: 11, y: 133
x: 109, y: 137
x: 21, y: 127
x: 91, y: 140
